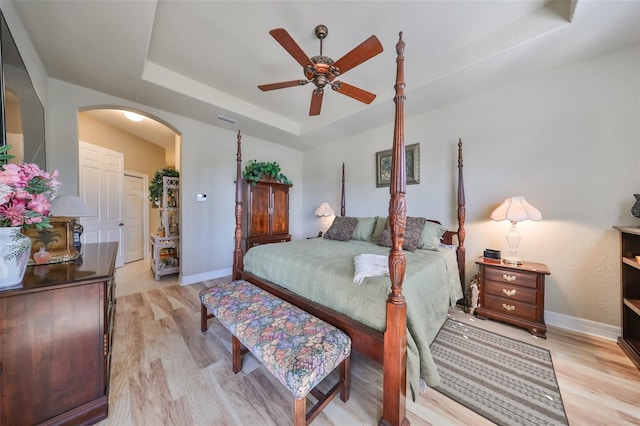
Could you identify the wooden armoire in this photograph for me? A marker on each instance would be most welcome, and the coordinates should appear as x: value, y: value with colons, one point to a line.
x: 265, y: 213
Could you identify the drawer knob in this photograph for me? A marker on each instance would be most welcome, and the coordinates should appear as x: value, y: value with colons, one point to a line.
x: 509, y: 277
x: 509, y: 307
x: 509, y: 292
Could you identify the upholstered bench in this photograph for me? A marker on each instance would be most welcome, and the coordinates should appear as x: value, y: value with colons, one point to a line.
x: 296, y: 347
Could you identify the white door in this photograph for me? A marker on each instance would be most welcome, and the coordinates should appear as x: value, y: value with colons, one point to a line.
x: 101, y: 175
x: 134, y: 223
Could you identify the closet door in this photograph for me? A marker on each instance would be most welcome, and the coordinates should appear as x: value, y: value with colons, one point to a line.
x: 101, y: 177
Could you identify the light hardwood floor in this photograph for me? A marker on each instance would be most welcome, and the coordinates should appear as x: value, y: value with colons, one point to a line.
x: 166, y: 372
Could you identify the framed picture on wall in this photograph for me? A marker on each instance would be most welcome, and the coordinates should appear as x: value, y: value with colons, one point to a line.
x: 383, y: 166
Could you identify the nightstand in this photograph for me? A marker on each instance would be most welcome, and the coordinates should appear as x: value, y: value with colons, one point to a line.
x: 513, y: 294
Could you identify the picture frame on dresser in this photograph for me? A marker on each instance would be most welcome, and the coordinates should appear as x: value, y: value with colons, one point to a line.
x: 57, y: 240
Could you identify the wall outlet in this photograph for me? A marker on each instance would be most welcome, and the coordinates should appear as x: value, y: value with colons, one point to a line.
x: 201, y: 197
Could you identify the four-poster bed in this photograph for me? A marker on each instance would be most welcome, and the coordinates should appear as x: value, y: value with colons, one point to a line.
x: 386, y: 344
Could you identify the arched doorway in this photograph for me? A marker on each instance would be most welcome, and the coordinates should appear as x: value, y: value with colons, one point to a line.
x: 146, y: 146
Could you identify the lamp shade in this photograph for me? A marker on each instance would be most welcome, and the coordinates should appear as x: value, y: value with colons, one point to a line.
x: 70, y: 206
x: 516, y: 209
x: 325, y: 209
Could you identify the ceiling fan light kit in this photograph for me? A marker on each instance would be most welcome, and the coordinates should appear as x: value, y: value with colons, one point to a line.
x: 322, y: 70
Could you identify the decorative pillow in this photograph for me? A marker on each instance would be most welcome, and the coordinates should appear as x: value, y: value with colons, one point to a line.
x: 364, y: 228
x: 381, y: 222
x: 412, y: 233
x: 430, y: 237
x: 342, y: 228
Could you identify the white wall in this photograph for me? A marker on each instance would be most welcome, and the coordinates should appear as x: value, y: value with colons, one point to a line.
x: 569, y: 141
x: 208, y: 160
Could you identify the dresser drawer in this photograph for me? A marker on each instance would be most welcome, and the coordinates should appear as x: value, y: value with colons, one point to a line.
x: 510, y: 277
x: 511, y: 307
x: 513, y: 292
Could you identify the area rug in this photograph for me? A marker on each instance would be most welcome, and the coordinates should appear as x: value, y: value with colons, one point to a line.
x: 504, y: 380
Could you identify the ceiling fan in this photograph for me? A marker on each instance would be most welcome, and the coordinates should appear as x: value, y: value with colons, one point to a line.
x: 322, y: 70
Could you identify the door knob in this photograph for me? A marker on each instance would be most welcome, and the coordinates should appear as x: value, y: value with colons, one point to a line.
x: 121, y: 224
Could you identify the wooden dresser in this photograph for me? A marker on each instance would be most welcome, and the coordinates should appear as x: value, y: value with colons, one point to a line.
x: 56, y: 332
x: 265, y: 213
x: 513, y: 294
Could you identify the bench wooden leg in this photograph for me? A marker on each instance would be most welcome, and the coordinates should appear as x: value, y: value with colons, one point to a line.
x: 345, y: 376
x: 236, y: 353
x: 300, y: 412
x: 342, y: 386
x: 205, y: 316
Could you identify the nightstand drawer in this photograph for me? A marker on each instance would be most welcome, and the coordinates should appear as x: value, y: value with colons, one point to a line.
x: 510, y: 277
x: 522, y: 294
x: 511, y: 307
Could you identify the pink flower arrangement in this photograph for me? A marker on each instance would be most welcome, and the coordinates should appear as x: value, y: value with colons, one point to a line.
x: 25, y: 195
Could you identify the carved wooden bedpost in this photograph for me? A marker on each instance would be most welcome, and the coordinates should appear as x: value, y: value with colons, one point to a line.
x: 342, y: 202
x: 237, y: 251
x: 395, y: 336
x: 462, y: 213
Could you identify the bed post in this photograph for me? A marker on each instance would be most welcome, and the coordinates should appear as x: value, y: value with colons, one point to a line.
x: 237, y: 251
x: 461, y: 253
x: 394, y: 385
x: 342, y: 203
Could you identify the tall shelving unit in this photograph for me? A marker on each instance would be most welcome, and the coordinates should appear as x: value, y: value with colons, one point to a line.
x: 630, y: 286
x: 165, y: 256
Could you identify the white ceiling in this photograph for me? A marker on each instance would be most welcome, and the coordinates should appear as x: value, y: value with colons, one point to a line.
x: 203, y: 58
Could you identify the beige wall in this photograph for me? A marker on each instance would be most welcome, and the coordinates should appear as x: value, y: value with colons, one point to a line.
x: 140, y: 155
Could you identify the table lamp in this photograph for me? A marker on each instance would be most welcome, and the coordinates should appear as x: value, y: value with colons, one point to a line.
x: 324, y: 210
x: 73, y: 207
x: 515, y: 209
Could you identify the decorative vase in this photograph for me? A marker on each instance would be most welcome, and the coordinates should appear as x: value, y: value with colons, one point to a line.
x: 635, y: 210
x: 15, y: 248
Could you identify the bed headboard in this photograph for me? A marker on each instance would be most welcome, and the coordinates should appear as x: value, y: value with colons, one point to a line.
x: 450, y: 237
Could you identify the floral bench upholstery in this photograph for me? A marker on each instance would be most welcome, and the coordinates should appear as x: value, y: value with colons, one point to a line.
x: 296, y: 347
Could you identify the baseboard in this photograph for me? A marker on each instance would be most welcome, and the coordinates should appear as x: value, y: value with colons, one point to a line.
x: 581, y: 325
x: 211, y: 275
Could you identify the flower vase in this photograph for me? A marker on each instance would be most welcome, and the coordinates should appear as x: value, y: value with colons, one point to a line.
x: 635, y: 210
x: 15, y: 248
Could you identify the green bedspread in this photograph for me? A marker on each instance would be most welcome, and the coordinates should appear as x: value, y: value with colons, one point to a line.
x: 322, y: 270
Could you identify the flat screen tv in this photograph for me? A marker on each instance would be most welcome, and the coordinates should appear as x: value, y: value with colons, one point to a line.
x: 21, y: 108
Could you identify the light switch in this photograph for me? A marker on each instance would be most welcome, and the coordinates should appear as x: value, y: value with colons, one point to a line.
x: 201, y: 197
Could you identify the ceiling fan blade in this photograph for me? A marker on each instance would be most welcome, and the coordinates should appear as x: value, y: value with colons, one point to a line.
x: 316, y: 102
x: 353, y: 92
x: 363, y: 52
x: 282, y: 85
x: 282, y: 36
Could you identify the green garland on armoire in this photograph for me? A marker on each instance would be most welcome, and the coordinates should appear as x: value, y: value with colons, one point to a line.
x: 255, y: 170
